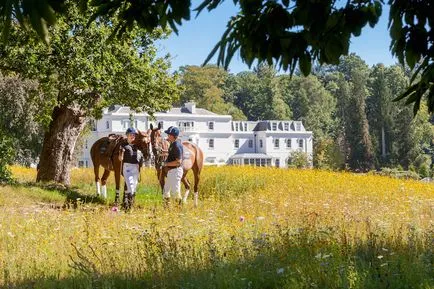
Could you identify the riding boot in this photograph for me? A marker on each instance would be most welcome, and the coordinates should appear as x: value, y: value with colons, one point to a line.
x: 166, y: 203
x: 131, y: 198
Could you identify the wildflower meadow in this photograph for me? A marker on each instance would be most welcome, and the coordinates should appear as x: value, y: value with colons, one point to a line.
x: 253, y: 228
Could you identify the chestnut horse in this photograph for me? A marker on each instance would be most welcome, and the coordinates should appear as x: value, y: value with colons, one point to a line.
x: 192, y: 160
x: 114, y: 162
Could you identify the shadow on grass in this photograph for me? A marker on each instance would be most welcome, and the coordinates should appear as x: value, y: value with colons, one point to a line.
x: 291, y: 266
x: 73, y: 196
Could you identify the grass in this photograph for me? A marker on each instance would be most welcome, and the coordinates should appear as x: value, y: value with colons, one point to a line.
x: 254, y: 228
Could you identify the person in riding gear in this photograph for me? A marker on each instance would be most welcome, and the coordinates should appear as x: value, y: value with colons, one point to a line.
x: 132, y: 159
x: 173, y: 165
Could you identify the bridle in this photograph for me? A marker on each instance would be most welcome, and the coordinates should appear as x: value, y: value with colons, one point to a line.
x: 142, y: 142
x: 160, y: 148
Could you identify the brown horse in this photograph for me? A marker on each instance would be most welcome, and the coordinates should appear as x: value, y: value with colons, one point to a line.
x: 192, y: 160
x: 112, y: 161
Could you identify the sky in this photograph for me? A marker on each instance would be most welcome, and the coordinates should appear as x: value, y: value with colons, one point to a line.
x: 197, y: 37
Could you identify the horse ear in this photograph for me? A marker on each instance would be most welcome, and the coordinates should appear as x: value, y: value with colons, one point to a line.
x: 151, y: 126
x: 159, y: 125
x: 139, y: 132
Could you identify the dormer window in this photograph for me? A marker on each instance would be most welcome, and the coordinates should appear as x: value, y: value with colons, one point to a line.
x: 245, y: 126
x: 286, y: 126
x: 298, y: 126
x: 250, y: 143
x: 274, y: 125
x: 236, y: 126
x: 237, y: 143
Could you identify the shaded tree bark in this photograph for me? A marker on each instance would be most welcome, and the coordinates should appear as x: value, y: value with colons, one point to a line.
x: 59, y: 143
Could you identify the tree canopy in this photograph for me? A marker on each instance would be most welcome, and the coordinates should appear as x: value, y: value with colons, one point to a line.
x: 285, y: 33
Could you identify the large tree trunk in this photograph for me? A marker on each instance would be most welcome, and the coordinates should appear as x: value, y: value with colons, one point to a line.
x: 59, y: 142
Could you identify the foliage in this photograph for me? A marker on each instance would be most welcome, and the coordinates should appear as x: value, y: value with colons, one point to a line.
x: 299, y: 160
x: 290, y: 229
x: 205, y: 86
x: 6, y: 157
x: 20, y: 107
x: 282, y: 32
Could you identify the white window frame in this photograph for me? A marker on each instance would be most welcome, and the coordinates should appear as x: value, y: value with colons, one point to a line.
x: 245, y: 126
x: 236, y: 126
x: 211, y: 125
x: 286, y: 126
x: 107, y: 124
x: 288, y: 143
x: 261, y: 143
x: 211, y: 143
x: 276, y: 143
x: 237, y: 143
x: 300, y: 143
x: 274, y: 126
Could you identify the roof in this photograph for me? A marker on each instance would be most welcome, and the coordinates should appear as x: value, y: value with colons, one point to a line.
x: 184, y: 110
x: 251, y: 156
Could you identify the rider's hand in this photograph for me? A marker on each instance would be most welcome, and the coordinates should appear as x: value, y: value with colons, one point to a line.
x: 163, y: 164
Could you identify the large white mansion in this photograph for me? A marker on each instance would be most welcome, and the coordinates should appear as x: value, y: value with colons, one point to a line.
x: 223, y: 141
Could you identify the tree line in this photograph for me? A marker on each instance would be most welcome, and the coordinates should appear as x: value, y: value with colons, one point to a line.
x: 349, y: 108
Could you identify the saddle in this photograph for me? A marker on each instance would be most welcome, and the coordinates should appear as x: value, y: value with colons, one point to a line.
x: 113, y: 141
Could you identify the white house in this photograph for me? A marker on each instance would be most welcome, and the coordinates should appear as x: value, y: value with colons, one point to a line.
x: 223, y: 141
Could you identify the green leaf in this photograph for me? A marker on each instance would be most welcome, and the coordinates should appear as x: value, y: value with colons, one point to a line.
x: 305, y: 63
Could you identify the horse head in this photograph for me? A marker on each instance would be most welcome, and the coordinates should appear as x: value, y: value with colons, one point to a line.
x: 142, y: 142
x: 159, y: 145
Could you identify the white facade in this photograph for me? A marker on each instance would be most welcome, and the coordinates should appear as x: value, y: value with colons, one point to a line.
x: 223, y: 141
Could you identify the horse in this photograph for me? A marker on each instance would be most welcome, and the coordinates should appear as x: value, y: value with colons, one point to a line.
x: 110, y: 157
x: 192, y: 160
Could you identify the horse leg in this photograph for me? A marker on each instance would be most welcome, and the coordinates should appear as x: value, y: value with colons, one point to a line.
x: 104, y: 183
x: 186, y: 183
x: 196, y: 172
x: 97, y: 184
x: 117, y: 181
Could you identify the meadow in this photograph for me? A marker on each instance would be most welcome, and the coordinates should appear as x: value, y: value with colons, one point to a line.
x: 253, y: 228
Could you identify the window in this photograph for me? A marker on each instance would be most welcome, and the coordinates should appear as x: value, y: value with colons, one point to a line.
x: 87, y: 164
x: 237, y: 143
x: 211, y: 125
x: 85, y: 144
x: 261, y: 143
x: 262, y: 162
x: 300, y: 143
x: 288, y: 143
x: 186, y: 125
x: 92, y: 124
x: 107, y: 124
x: 250, y: 143
x: 268, y: 162
x: 162, y: 124
x: 246, y: 161
x: 126, y: 124
x: 277, y: 163
x: 80, y: 164
x: 286, y: 126
x: 236, y: 126
x: 245, y: 126
x: 298, y: 126
x: 252, y: 161
x: 136, y: 124
x: 274, y: 126
x: 211, y: 143
x: 276, y: 143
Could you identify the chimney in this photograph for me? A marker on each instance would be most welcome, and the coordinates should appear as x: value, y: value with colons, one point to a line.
x: 191, y: 106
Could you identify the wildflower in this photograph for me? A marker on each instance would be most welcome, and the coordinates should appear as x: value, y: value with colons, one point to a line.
x: 115, y: 209
x: 280, y: 271
x: 242, y: 219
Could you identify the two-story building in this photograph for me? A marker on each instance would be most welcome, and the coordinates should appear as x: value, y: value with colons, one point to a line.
x: 223, y: 141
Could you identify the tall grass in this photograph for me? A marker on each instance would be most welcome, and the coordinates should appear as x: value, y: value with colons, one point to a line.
x: 254, y: 228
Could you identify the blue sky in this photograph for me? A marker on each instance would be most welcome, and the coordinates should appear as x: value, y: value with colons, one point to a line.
x: 197, y: 37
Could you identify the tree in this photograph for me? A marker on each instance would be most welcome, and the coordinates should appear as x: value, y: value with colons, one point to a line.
x: 20, y: 106
x: 205, y: 86
x: 80, y: 73
x: 287, y: 33
x: 355, y: 71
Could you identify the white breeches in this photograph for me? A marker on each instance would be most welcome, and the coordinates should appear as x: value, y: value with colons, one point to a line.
x: 172, y: 186
x: 131, y: 176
